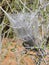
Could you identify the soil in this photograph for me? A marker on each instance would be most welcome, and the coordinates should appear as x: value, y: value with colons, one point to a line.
x: 13, y: 53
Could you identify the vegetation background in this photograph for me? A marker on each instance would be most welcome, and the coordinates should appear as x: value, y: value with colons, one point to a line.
x: 9, y: 45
